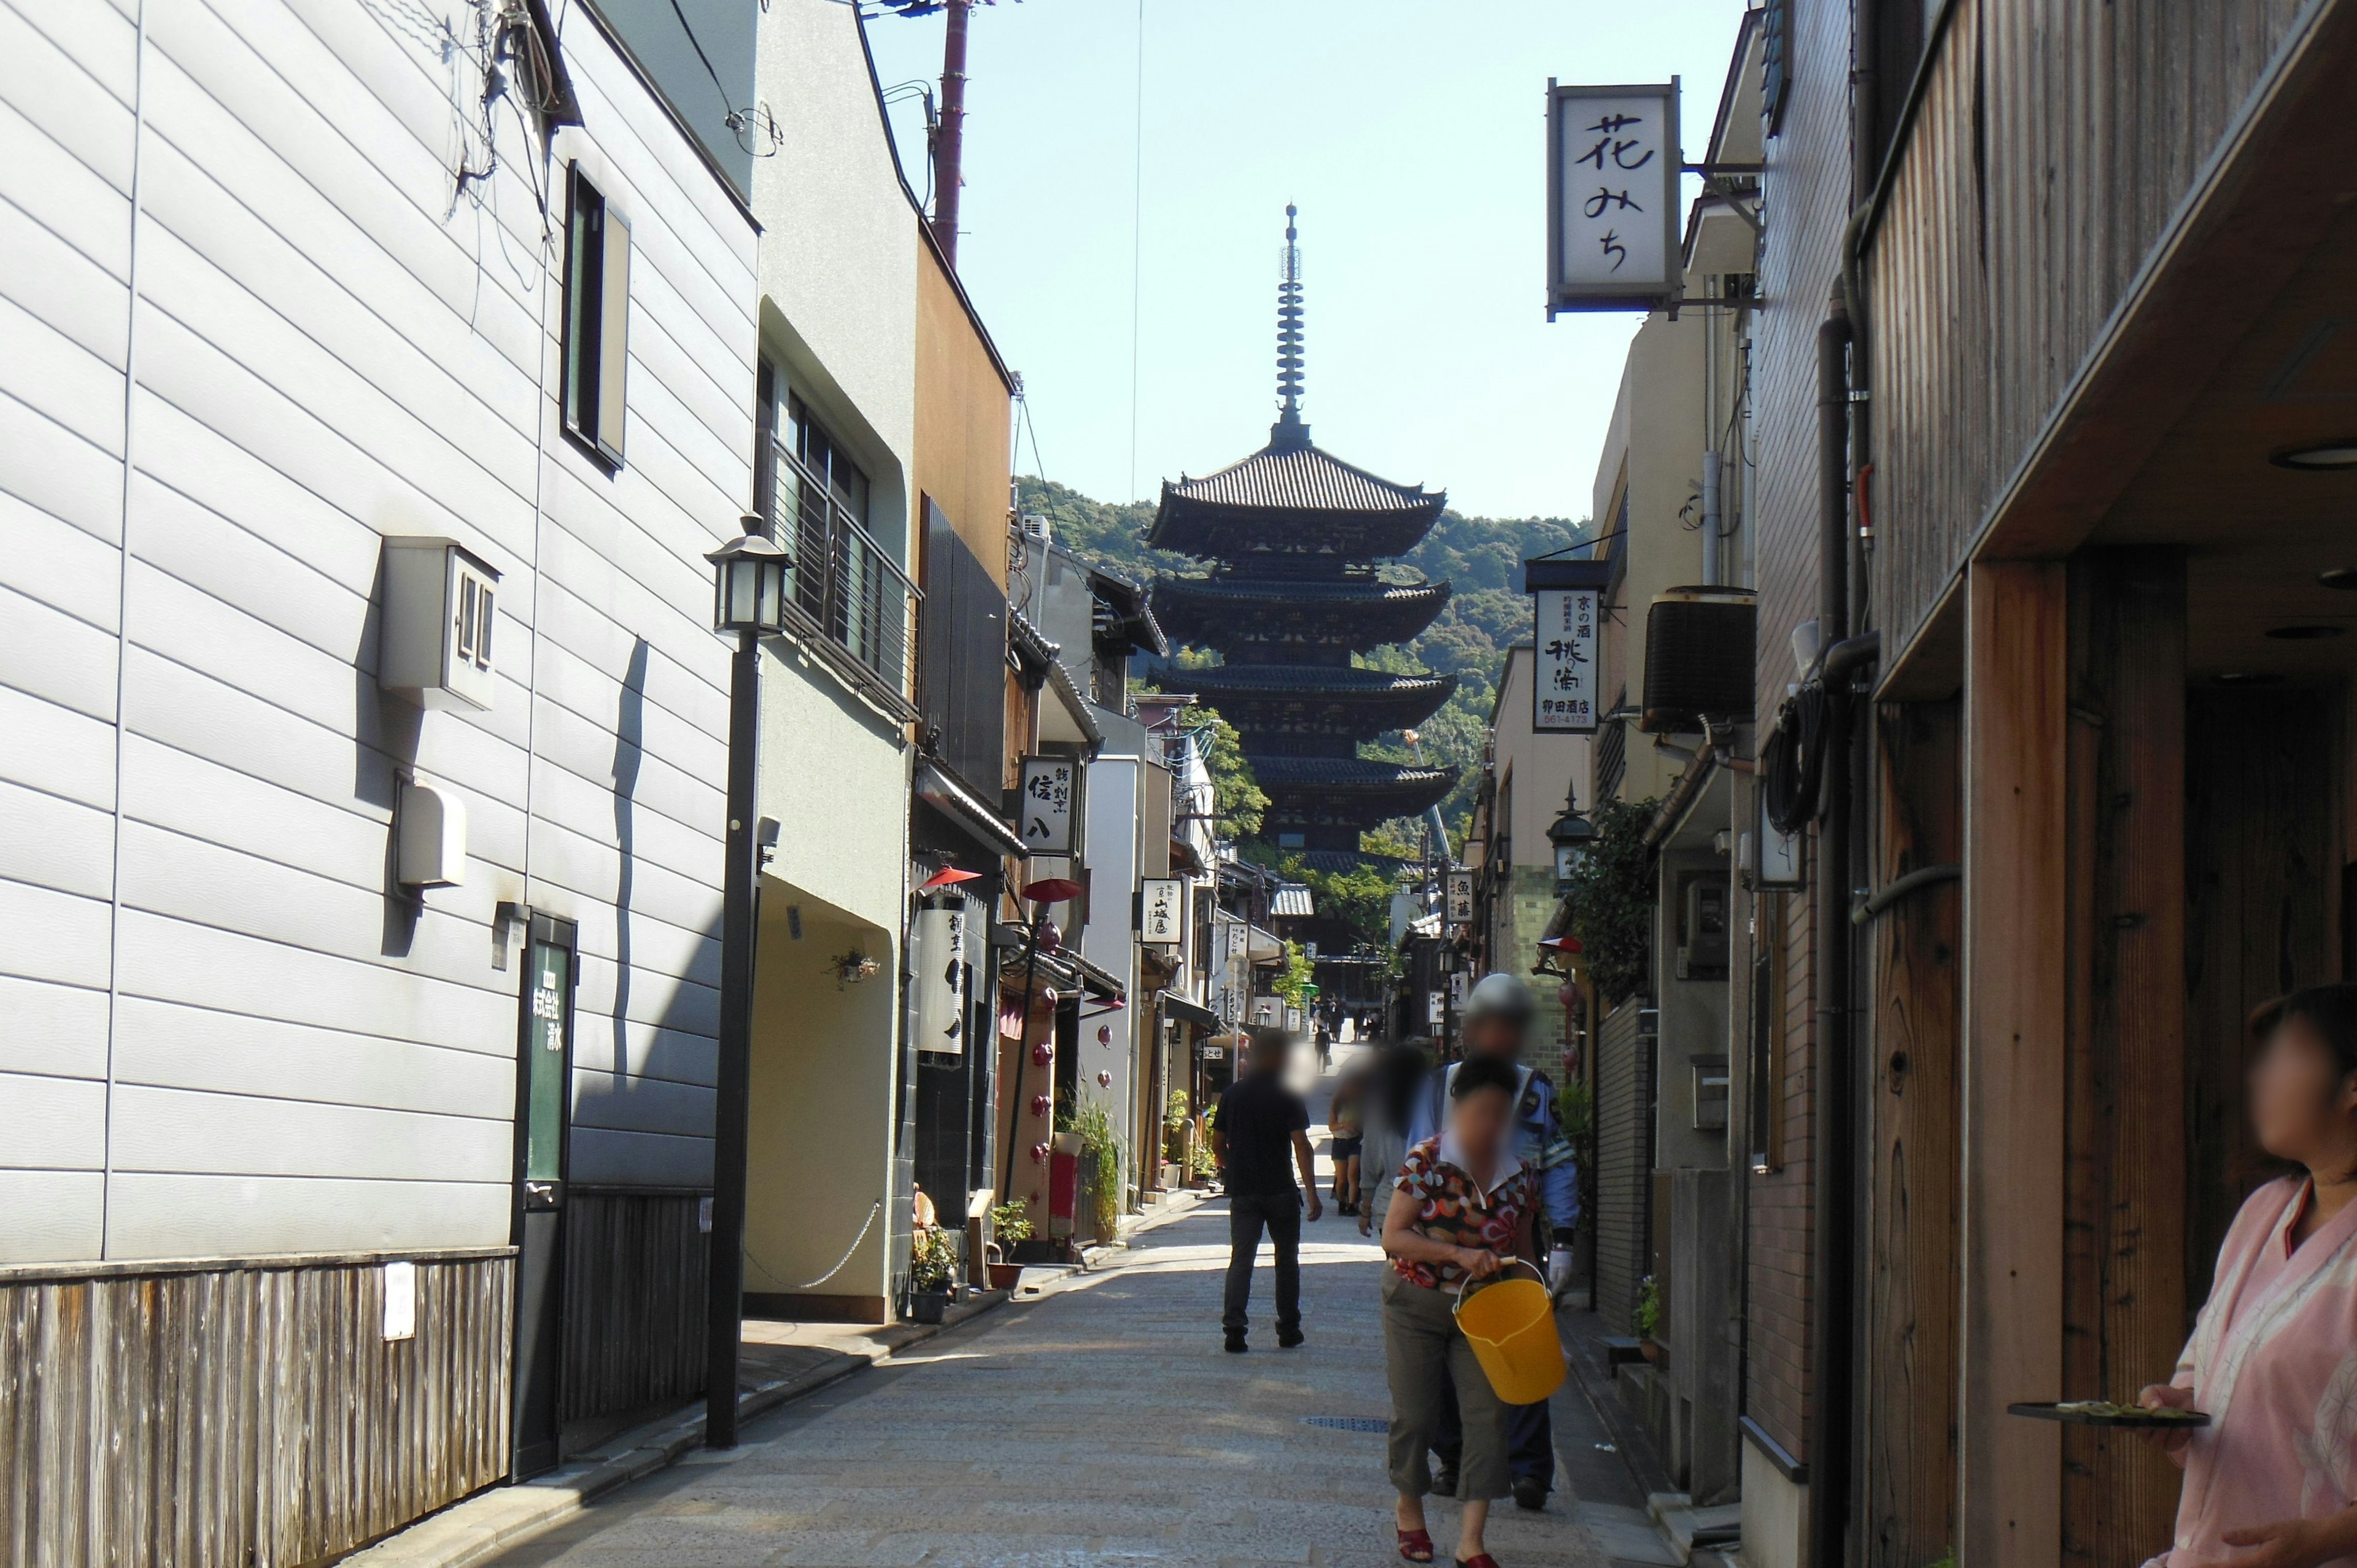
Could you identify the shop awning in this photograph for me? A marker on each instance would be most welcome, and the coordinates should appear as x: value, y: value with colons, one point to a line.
x: 970, y: 812
x: 1100, y: 983
x: 1186, y: 1012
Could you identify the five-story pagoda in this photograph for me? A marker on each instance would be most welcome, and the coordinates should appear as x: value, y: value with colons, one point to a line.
x: 1293, y: 537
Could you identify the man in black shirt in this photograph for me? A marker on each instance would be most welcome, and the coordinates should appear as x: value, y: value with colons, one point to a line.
x: 1261, y: 1122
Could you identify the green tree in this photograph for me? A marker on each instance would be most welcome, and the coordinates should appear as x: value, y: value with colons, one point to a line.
x: 1237, y: 799
x: 1613, y: 900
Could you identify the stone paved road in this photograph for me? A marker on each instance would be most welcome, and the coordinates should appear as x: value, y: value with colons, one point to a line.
x: 1097, y: 1424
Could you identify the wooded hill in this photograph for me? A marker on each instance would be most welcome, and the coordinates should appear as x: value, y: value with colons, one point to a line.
x: 1481, y: 556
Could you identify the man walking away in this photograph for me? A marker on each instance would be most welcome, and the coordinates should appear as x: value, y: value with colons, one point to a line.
x: 1261, y: 1122
x: 1497, y: 1021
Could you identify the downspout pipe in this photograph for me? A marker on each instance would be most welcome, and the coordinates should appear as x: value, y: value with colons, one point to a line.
x: 1833, y: 1265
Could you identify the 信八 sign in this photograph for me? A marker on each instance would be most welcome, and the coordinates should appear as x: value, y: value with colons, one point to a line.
x: 1050, y: 791
x: 1613, y: 166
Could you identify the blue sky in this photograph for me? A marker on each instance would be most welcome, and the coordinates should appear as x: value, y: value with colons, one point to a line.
x: 1410, y: 132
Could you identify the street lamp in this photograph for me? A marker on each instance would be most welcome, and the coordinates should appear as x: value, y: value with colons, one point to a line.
x: 1573, y: 836
x: 749, y: 599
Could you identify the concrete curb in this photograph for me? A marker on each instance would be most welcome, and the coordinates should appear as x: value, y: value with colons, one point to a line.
x: 476, y: 1528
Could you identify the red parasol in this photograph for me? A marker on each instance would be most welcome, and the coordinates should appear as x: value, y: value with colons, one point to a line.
x: 1052, y: 890
x: 947, y: 877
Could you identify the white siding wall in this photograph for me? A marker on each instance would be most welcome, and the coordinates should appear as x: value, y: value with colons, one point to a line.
x: 220, y: 1035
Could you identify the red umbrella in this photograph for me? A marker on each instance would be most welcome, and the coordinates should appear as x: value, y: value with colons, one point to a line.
x: 1052, y: 890
x: 1563, y: 945
x: 947, y: 877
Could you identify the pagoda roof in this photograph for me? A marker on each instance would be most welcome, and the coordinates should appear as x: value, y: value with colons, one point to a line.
x: 1332, y: 698
x: 1360, y: 613
x: 1372, y: 791
x: 1292, y: 496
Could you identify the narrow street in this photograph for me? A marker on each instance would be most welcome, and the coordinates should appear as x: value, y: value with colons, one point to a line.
x: 1097, y: 1422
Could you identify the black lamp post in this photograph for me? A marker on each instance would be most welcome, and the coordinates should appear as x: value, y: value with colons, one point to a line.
x: 1573, y: 836
x: 749, y: 599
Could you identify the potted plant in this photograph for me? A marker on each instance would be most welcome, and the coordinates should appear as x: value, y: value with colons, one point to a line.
x: 1010, y: 1224
x: 1649, y: 1316
x: 933, y: 1268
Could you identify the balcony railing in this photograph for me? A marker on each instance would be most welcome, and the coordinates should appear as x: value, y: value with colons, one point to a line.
x: 844, y: 595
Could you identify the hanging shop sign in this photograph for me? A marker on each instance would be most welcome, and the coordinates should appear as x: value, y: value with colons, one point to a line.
x: 1162, y: 911
x: 937, y: 972
x: 1567, y: 599
x: 1460, y: 897
x: 1613, y: 164
x: 1050, y: 798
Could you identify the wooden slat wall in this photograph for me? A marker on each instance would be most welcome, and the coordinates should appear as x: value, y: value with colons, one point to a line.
x: 1623, y: 1183
x: 634, y: 1267
x: 2261, y: 856
x: 1909, y: 1441
x: 247, y: 1418
x: 2055, y: 140
x: 2124, y: 1176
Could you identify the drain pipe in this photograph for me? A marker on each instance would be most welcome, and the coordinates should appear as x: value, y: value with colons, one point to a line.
x: 1835, y: 1266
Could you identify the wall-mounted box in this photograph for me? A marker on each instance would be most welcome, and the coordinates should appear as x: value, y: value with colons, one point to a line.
x: 439, y: 615
x: 430, y: 835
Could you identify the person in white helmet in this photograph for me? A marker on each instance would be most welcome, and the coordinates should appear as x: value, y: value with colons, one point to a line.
x: 1497, y: 1022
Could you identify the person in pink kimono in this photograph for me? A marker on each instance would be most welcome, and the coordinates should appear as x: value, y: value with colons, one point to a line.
x: 2272, y: 1481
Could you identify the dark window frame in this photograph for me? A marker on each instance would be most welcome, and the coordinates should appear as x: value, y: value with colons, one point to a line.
x: 594, y: 374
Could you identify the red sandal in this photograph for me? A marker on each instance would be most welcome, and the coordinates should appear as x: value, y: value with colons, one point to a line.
x: 1480, y: 1560
x: 1416, y: 1545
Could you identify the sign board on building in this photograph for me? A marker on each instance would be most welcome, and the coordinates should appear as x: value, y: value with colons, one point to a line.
x: 1460, y: 897
x: 1569, y: 613
x: 1433, y: 1010
x: 1293, y: 1019
x: 1050, y: 803
x: 1162, y: 911
x: 937, y: 972
x: 1613, y: 166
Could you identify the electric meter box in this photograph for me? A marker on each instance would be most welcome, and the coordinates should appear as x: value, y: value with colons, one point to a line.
x: 439, y: 613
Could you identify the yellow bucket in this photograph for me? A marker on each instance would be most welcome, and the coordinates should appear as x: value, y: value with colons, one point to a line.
x: 1511, y: 1325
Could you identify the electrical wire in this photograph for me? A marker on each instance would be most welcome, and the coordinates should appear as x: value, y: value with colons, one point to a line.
x: 719, y: 85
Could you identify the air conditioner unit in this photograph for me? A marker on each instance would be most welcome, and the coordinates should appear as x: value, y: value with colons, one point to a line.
x: 1698, y: 659
x: 1036, y: 528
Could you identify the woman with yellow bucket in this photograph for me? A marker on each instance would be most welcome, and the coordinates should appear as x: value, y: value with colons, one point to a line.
x: 1464, y: 1212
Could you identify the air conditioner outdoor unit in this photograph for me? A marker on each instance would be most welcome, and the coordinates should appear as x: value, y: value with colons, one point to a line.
x: 1698, y: 659
x: 1036, y: 528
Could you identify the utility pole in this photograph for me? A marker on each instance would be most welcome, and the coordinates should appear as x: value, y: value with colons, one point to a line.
x: 949, y: 138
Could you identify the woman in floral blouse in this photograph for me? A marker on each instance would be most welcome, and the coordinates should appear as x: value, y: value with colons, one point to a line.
x: 1462, y: 1212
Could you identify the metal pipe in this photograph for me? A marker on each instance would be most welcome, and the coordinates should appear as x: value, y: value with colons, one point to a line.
x: 1833, y: 1265
x: 1898, y: 887
x: 724, y: 1299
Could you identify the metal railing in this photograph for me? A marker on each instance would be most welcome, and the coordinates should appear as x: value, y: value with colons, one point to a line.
x: 844, y: 591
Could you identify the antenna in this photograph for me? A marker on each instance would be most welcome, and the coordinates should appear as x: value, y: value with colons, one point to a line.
x: 1289, y: 434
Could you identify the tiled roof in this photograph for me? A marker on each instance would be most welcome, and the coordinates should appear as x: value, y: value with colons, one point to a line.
x: 1352, y: 593
x: 1292, y: 900
x: 1345, y: 772
x: 1305, y: 478
x: 1308, y: 681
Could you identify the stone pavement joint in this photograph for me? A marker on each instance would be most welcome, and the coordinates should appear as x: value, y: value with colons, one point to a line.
x: 799, y: 1358
x: 1096, y: 1422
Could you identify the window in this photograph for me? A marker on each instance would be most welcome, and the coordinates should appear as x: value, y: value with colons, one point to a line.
x: 964, y: 659
x: 843, y: 591
x: 597, y: 317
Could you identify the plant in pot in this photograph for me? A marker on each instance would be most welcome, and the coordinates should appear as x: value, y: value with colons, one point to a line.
x: 1010, y: 1226
x: 933, y: 1268
x: 1649, y: 1316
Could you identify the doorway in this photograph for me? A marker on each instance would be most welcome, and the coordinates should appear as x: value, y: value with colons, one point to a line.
x: 544, y: 1135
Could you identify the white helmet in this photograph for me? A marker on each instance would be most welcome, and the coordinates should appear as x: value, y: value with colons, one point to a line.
x: 1500, y: 995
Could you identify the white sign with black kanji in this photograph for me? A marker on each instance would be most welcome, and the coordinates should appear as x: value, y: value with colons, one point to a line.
x: 1564, y: 700
x: 1050, y: 791
x: 1162, y: 912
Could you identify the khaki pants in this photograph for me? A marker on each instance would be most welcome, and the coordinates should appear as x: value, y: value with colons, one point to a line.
x: 1421, y: 1343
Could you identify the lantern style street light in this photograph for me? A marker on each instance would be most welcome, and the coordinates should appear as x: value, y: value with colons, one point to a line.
x: 749, y: 599
x: 1573, y: 836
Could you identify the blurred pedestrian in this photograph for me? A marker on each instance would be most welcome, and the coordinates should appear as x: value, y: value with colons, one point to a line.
x: 1342, y: 1124
x: 1386, y: 1106
x: 1261, y: 1132
x: 1466, y: 1206
x: 1498, y: 1016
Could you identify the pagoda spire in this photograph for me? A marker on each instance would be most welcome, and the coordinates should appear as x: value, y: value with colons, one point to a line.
x: 1289, y: 434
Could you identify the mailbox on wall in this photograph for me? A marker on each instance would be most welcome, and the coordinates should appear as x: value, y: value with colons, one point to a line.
x: 439, y: 615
